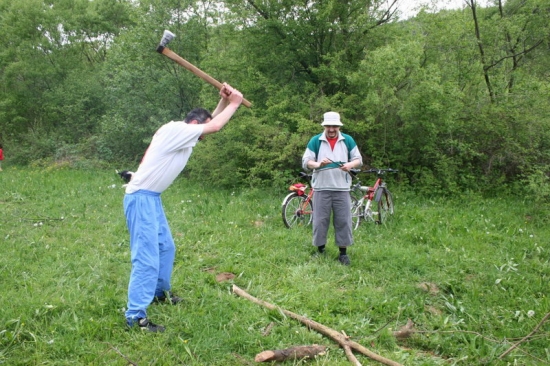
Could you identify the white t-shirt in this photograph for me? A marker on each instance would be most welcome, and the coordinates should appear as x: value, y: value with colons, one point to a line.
x: 165, y: 157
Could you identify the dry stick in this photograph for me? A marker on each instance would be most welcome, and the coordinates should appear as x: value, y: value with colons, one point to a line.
x: 526, y: 337
x: 351, y: 356
x: 121, y: 355
x: 268, y: 329
x: 349, y: 352
x: 336, y: 336
x: 532, y: 356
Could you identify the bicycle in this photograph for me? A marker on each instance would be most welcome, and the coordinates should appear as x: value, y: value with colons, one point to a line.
x: 378, y: 194
x: 297, y: 207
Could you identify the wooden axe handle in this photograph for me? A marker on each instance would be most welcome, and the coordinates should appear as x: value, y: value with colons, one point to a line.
x: 195, y: 70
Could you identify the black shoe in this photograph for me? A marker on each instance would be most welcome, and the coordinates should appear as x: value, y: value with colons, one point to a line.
x: 344, y: 259
x: 171, y: 298
x: 147, y: 325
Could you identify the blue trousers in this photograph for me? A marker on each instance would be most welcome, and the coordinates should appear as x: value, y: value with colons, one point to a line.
x: 152, y: 251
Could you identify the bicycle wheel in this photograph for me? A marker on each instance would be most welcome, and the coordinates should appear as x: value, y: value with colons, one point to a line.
x: 297, y: 210
x: 356, y: 212
x: 385, y: 206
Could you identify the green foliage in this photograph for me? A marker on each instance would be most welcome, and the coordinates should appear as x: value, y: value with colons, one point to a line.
x: 46, y: 151
x: 451, y: 109
x: 537, y: 184
x: 122, y: 141
x: 51, y: 50
x: 76, y: 106
x: 238, y: 157
x: 471, y: 274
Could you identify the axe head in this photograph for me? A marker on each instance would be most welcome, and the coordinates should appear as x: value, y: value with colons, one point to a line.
x: 166, y: 38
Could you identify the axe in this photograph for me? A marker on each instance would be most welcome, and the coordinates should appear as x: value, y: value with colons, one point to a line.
x: 166, y: 38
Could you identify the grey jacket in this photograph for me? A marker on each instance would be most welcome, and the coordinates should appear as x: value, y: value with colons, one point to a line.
x: 330, y: 177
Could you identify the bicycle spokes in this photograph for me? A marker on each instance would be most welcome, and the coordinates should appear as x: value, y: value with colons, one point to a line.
x: 296, y: 210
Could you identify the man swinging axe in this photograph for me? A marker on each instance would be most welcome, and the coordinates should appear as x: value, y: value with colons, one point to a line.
x: 152, y: 248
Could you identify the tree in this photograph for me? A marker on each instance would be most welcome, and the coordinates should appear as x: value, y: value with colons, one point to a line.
x: 49, y: 49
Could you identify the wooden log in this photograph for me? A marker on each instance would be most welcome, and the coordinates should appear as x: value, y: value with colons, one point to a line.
x: 292, y: 353
x: 342, y: 340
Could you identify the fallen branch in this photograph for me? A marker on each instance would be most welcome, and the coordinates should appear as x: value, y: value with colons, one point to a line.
x: 267, y: 330
x: 121, y: 354
x: 342, y: 340
x: 515, y: 345
x: 293, y: 353
x: 351, y: 357
x: 349, y: 353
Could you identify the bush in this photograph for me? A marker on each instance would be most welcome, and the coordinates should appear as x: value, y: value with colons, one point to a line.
x: 248, y: 152
x: 537, y: 184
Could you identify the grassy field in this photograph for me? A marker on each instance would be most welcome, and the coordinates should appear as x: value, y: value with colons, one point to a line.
x: 471, y: 273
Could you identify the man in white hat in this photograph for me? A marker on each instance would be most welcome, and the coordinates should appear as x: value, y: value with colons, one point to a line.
x: 331, y: 155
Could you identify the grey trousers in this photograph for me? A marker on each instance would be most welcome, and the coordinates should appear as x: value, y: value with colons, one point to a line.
x: 339, y: 204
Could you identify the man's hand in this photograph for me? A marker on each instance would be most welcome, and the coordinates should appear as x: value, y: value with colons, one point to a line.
x: 230, y: 101
x: 312, y: 164
x: 230, y: 94
x: 348, y: 166
x: 324, y: 162
x: 225, y: 91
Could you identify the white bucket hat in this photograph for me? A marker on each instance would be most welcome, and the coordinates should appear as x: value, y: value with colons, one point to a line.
x: 331, y: 119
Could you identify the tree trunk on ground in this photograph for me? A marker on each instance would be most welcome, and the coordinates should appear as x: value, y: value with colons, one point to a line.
x: 293, y: 353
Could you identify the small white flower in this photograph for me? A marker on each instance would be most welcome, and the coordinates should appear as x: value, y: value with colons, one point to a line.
x: 530, y: 313
x: 520, y: 230
x: 531, y: 236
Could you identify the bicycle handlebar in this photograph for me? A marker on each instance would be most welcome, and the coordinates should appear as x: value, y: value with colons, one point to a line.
x: 379, y: 171
x: 305, y: 176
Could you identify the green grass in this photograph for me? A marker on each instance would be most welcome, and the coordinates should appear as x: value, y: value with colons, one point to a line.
x: 472, y: 273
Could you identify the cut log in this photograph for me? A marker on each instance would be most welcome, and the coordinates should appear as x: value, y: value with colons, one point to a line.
x: 293, y: 353
x: 342, y: 340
